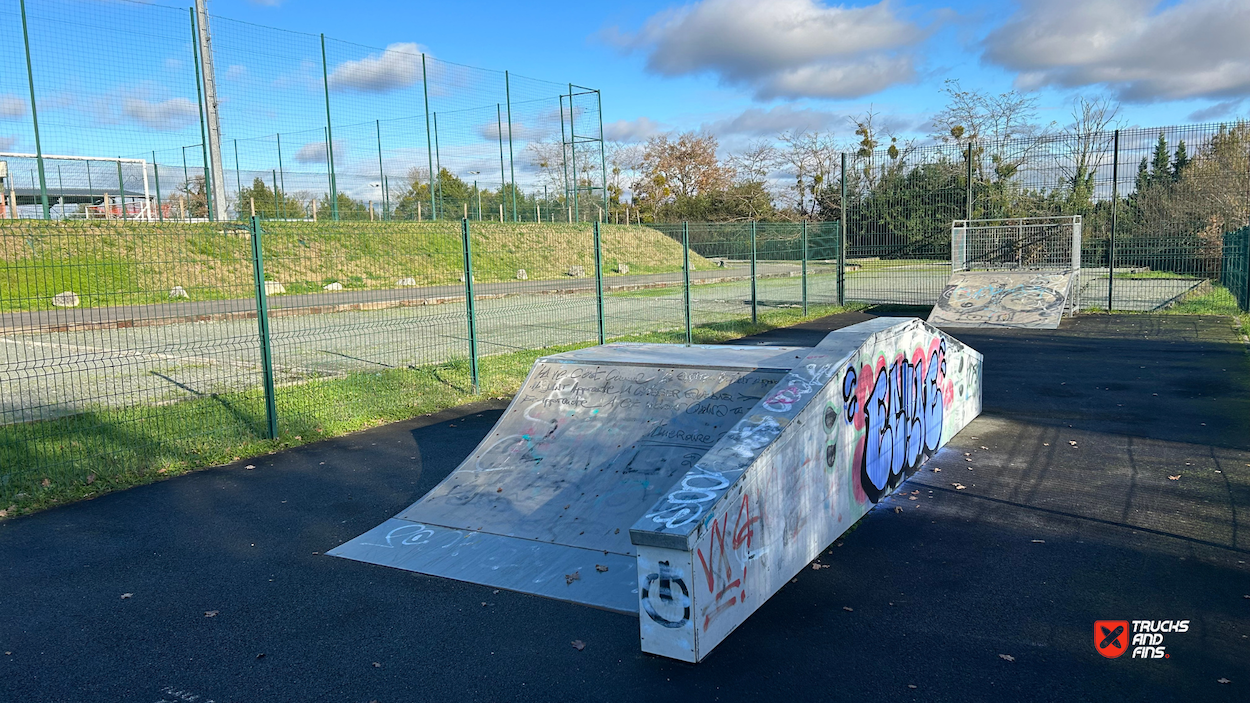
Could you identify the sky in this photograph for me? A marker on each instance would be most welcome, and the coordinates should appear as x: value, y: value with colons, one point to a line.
x: 742, y: 69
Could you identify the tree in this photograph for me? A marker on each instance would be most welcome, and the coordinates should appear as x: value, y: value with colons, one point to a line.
x: 1159, y: 165
x: 1180, y: 161
x: 269, y: 205
x: 971, y: 115
x: 679, y: 169
x: 1086, y: 140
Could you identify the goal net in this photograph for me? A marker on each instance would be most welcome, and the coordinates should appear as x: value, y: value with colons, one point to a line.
x: 1019, y: 244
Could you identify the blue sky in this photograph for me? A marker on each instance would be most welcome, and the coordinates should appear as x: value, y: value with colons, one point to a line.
x: 665, y: 65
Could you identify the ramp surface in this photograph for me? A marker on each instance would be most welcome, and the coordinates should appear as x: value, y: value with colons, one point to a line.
x: 1030, y: 299
x: 591, y: 441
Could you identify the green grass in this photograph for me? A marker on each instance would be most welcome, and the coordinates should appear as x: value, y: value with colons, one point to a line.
x: 1216, y: 300
x: 120, y: 263
x: 72, y: 458
x: 1149, y: 275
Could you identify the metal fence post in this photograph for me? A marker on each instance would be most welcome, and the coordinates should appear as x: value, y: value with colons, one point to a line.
x: 685, y: 271
x: 34, y: 118
x: 1115, y: 207
x: 156, y: 171
x: 507, y: 86
x: 199, y: 96
x: 842, y: 229
x: 325, y: 82
x: 262, y: 323
x: 754, y: 291
x: 968, y: 186
x: 599, y: 283
x: 429, y: 144
x: 468, y: 304
x: 803, y: 235
x: 121, y: 190
x: 1245, y: 269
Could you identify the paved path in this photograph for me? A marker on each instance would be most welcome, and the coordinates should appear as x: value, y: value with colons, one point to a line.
x: 1047, y: 537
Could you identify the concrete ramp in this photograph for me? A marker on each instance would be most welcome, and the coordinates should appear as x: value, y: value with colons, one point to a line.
x: 1033, y: 299
x: 686, y: 484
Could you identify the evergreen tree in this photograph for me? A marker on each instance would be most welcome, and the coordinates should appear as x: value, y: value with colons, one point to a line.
x: 1143, y: 175
x: 1159, y: 171
x: 1180, y: 161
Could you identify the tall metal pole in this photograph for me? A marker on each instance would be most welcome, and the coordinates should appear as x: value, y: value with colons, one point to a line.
x: 599, y: 284
x: 156, y: 171
x: 968, y: 186
x: 199, y: 96
x: 281, y: 174
x: 381, y: 169
x: 212, y: 119
x: 34, y: 118
x: 573, y: 150
x: 1115, y: 203
x: 804, y: 237
x: 121, y: 190
x: 754, y: 292
x: 438, y: 167
x: 468, y: 302
x: 685, y: 274
x: 507, y: 86
x: 238, y: 178
x: 842, y: 237
x: 429, y: 146
x: 325, y: 82
x: 564, y: 151
x: 262, y: 323
x: 603, y: 157
x: 503, y: 179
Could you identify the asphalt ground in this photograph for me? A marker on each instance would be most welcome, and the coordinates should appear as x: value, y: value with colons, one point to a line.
x: 1069, y: 514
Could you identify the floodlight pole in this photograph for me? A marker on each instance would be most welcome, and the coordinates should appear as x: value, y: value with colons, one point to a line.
x: 325, y: 81
x: 429, y: 153
x: 199, y: 96
x: 507, y: 86
x: 34, y: 118
x: 209, y: 77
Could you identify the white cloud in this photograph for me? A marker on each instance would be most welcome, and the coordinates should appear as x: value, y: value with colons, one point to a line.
x: 398, y: 66
x: 632, y: 131
x: 759, y: 122
x: 13, y: 107
x: 315, y: 153
x: 1216, y: 111
x: 1142, y: 50
x: 521, y: 132
x: 166, y: 115
x: 783, y: 48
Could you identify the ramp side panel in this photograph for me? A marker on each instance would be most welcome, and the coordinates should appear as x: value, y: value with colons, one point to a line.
x: 1030, y: 299
x: 890, y: 406
x: 564, y: 573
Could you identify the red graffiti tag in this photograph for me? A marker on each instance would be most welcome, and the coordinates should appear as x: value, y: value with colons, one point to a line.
x: 718, y: 567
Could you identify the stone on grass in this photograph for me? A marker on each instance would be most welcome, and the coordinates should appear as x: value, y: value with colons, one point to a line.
x: 274, y: 288
x: 576, y: 271
x: 521, y: 275
x: 68, y: 299
x: 333, y: 286
x: 178, y: 292
x: 406, y: 282
x: 622, y: 268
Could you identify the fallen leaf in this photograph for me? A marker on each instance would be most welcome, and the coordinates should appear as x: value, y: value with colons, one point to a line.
x: 90, y: 479
x: 897, y: 509
x: 967, y: 459
x: 578, y: 645
x: 496, y: 591
x: 1222, y: 681
x: 936, y: 470
x: 45, y: 483
x: 1039, y: 541
x: 127, y: 595
x: 1177, y: 477
x: 911, y: 685
x: 499, y: 490
x: 985, y: 447
x: 210, y: 613
x: 848, y: 608
x: 377, y: 665
x: 912, y: 498
x: 4, y: 513
x: 915, y: 493
x: 1006, y: 657
x: 1045, y: 444
x: 260, y: 656
x: 960, y: 486
x: 250, y: 466
x: 1072, y: 442
x: 570, y: 578
x: 601, y: 568
x: 815, y: 567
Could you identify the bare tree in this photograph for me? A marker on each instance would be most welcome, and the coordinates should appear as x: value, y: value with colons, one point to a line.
x: 755, y: 162
x: 972, y: 115
x: 811, y: 157
x: 1087, y: 140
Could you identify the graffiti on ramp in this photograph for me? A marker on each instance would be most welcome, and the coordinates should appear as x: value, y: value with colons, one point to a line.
x: 1030, y: 299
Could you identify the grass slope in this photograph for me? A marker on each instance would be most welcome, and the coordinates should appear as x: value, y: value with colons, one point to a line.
x: 118, y: 263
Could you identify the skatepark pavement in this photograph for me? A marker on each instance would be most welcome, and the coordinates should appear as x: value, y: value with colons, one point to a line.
x: 1055, y: 508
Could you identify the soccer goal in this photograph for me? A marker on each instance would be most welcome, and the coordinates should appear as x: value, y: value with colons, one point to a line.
x: 94, y: 187
x: 1020, y: 244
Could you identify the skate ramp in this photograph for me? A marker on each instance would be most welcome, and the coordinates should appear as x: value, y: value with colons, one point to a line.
x: 1032, y: 299
x: 686, y: 484
x: 592, y: 439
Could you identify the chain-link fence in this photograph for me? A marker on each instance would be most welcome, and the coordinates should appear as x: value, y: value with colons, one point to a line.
x: 133, y: 110
x: 1154, y: 202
